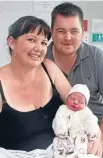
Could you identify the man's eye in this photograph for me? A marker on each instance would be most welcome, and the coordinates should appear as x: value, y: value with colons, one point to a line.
x: 75, y: 32
x: 60, y: 31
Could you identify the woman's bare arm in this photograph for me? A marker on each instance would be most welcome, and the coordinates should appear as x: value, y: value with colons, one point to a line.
x: 61, y: 83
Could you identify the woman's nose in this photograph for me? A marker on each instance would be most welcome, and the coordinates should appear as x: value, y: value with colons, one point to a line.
x: 37, y: 47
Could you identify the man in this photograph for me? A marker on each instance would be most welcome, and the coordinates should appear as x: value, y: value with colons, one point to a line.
x: 80, y: 62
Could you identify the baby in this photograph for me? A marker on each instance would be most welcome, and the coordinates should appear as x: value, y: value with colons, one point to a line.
x: 74, y: 124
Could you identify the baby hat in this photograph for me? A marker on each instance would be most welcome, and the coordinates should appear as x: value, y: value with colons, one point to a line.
x: 81, y: 88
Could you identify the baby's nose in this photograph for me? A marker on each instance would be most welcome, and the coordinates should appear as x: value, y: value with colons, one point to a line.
x: 76, y: 101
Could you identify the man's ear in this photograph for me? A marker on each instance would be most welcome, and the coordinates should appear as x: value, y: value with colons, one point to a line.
x: 11, y: 42
x: 51, y: 33
x: 83, y: 33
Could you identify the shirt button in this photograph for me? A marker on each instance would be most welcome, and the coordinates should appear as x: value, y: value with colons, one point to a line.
x: 45, y: 116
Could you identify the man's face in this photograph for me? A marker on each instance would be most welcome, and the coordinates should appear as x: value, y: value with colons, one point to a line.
x: 67, y: 34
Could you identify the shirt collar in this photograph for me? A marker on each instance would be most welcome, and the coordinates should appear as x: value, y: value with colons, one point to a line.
x: 49, y: 51
x: 82, y: 52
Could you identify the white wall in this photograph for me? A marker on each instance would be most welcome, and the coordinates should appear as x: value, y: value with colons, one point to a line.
x: 10, y: 11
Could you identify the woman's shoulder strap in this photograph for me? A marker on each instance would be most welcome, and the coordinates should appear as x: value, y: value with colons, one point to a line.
x: 47, y: 73
x: 2, y: 93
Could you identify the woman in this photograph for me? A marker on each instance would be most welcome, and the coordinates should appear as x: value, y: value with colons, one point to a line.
x: 30, y: 88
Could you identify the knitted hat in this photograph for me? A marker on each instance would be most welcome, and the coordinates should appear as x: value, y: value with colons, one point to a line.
x: 81, y: 88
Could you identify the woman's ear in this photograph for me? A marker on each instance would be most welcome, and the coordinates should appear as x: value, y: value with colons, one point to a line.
x: 11, y: 42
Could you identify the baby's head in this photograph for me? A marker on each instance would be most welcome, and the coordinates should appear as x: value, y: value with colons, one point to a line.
x: 78, y: 97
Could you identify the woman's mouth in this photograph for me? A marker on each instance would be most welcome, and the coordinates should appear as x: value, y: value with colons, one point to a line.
x: 35, y: 56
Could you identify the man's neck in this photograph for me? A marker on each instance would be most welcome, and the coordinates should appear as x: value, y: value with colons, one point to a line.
x: 64, y: 62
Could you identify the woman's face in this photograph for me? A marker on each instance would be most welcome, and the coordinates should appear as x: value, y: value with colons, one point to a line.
x: 29, y: 49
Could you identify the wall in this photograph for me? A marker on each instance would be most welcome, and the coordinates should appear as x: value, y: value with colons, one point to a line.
x: 12, y: 10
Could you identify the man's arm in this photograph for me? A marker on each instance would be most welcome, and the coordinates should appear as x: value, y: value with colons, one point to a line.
x: 91, y: 125
x: 99, y: 63
x: 101, y: 127
x: 96, y: 146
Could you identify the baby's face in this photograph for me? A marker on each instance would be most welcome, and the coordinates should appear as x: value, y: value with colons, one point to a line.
x: 76, y: 101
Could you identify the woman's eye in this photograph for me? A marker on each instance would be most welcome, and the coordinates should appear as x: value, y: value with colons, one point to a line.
x: 31, y: 40
x: 44, y: 43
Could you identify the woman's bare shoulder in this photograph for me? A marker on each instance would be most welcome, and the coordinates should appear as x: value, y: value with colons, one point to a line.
x: 48, y: 61
x: 1, y: 77
x: 3, y: 71
x: 50, y: 65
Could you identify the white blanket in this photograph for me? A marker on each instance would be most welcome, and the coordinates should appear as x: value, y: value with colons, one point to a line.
x: 38, y: 153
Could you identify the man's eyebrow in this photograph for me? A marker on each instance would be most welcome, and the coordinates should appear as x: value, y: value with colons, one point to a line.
x: 60, y: 29
x: 74, y: 28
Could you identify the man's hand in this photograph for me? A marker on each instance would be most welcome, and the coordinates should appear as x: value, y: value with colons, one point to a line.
x: 95, y: 147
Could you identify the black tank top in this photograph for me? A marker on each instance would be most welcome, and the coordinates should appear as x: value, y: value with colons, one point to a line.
x: 28, y: 130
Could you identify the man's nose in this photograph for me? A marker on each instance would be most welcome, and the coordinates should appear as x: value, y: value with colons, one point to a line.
x: 68, y: 36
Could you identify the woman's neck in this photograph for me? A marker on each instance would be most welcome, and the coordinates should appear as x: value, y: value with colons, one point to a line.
x: 23, y: 73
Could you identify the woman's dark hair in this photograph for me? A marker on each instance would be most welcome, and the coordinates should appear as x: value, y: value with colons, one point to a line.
x: 28, y: 24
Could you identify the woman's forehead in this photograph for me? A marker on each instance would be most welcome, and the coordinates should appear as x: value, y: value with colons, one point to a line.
x: 37, y: 32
